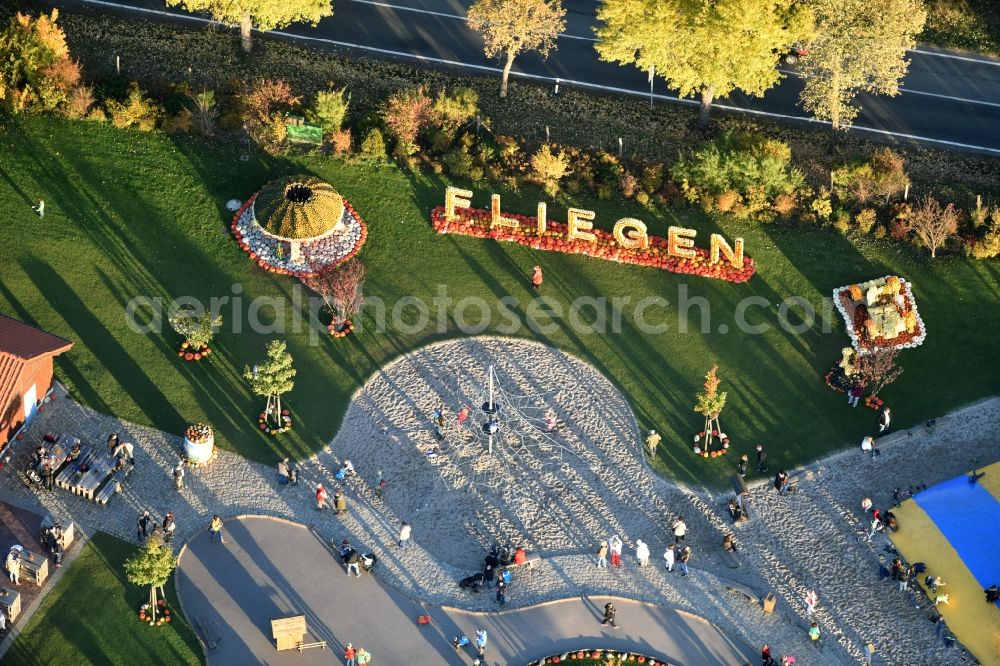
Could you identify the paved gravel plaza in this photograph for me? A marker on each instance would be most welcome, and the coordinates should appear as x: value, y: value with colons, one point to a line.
x: 792, y: 544
x: 270, y: 568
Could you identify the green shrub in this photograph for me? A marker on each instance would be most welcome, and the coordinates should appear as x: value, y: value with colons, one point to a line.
x: 750, y: 165
x: 373, y: 145
x: 652, y: 178
x: 330, y: 110
x: 642, y: 198
x: 822, y: 206
x: 548, y: 168
x: 136, y: 111
x: 866, y: 219
x: 459, y: 162
x: 452, y: 110
x: 987, y: 247
x: 882, y: 177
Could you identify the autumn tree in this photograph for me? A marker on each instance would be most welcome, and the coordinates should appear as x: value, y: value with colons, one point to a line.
x: 272, y: 377
x: 152, y: 566
x: 36, y: 71
x: 858, y: 46
x: 709, y: 48
x: 549, y: 168
x: 340, y: 289
x: 262, y: 14
x: 510, y: 27
x: 878, y: 369
x: 709, y: 403
x: 932, y: 223
x: 265, y: 104
x: 406, y: 114
x: 197, y: 331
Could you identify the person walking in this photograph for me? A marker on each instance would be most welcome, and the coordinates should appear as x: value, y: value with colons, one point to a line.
x: 883, y: 421
x: 741, y: 466
x: 14, y: 567
x: 340, y: 502
x: 761, y: 459
x: 353, y: 563
x: 216, y: 529
x: 616, y: 546
x: 169, y: 527
x: 349, y: 656
x: 866, y: 505
x: 765, y: 654
x: 854, y: 395
x: 501, y: 591
x: 320, y: 496
x: 481, y: 639
x: 683, y: 558
x: 781, y: 481
x: 669, y: 555
x: 179, y: 475
x: 652, y: 441
x: 609, y: 615
x: 642, y: 552
x: 536, y: 277
x: 283, y: 472
x: 814, y: 632
x: 404, y: 535
x: 142, y: 525
x: 680, y: 529
x: 40, y: 208
x: 602, y: 555
x: 810, y: 600
x: 363, y: 656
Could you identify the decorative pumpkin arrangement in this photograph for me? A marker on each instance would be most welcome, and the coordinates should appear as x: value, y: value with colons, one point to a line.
x: 188, y: 353
x: 286, y: 423
x: 199, y: 433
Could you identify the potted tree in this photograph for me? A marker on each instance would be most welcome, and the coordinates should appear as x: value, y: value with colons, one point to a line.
x: 152, y: 566
x: 340, y: 288
x: 197, y: 332
x: 272, y: 377
x: 709, y: 403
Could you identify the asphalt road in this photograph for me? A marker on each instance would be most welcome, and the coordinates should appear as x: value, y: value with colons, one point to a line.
x: 948, y: 99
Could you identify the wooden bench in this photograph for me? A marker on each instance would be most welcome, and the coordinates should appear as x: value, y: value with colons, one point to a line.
x: 207, y: 633
x: 530, y: 560
x: 305, y: 646
x: 288, y: 632
x: 109, y: 489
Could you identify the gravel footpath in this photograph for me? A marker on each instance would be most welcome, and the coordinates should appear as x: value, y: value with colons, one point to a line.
x: 558, y: 493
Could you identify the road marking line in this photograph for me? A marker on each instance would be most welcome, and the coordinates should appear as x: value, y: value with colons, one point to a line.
x: 953, y: 56
x: 913, y: 91
x: 444, y: 15
x: 540, y: 77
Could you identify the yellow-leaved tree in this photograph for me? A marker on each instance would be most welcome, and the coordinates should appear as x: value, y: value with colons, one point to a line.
x: 859, y: 46
x: 264, y: 14
x: 707, y: 48
x: 509, y: 27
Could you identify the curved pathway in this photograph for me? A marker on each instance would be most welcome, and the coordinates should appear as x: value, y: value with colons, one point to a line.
x: 793, y: 543
x: 270, y: 568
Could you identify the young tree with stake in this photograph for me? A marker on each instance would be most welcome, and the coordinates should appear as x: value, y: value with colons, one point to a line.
x: 878, y: 369
x: 152, y: 566
x: 340, y: 289
x: 509, y: 27
x: 709, y: 403
x: 272, y: 377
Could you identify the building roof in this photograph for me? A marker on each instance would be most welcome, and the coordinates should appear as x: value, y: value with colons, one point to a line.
x: 26, y: 342
x: 298, y: 208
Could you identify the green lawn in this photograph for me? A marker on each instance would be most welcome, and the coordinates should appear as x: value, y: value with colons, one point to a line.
x: 90, y: 618
x: 132, y: 214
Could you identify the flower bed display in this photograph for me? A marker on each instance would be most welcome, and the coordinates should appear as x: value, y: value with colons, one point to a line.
x: 342, y: 332
x: 273, y: 256
x: 188, y: 353
x: 476, y: 222
x: 880, y: 314
x: 596, y: 658
x: 699, y: 451
x: 286, y: 423
x: 162, y: 613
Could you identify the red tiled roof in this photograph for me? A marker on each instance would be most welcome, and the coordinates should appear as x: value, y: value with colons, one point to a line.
x: 27, y: 342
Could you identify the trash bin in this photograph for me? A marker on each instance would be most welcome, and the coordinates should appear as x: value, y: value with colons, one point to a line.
x: 769, y: 603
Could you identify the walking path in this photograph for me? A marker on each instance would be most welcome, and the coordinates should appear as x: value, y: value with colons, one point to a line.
x: 602, y: 486
x: 269, y: 569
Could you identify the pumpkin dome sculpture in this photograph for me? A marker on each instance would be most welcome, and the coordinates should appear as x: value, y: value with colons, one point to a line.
x: 298, y: 225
